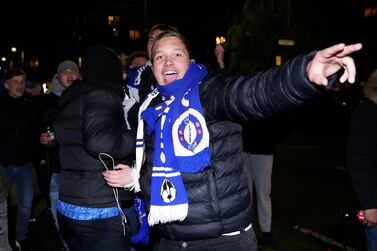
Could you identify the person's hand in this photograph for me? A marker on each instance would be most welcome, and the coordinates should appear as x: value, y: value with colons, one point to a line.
x: 35, y: 91
x: 219, y: 52
x: 121, y: 176
x: 370, y: 217
x: 328, y: 61
x: 45, y: 138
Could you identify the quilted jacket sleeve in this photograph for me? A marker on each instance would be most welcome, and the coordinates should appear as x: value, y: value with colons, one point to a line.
x: 245, y: 98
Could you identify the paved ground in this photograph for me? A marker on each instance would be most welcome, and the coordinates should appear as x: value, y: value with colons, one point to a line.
x: 311, y: 192
x: 311, y: 196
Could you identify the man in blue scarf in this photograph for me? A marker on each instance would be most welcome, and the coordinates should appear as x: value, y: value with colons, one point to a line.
x: 196, y: 193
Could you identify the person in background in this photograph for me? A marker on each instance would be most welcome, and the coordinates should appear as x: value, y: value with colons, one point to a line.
x: 34, y: 89
x: 137, y: 59
x: 20, y: 127
x: 145, y: 81
x: 4, y: 243
x: 219, y: 53
x: 92, y: 136
x: 135, y: 214
x: 67, y: 72
x: 362, y: 158
x: 131, y: 101
x: 197, y: 196
x: 259, y: 140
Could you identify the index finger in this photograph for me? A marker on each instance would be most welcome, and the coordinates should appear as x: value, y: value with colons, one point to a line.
x: 350, y: 49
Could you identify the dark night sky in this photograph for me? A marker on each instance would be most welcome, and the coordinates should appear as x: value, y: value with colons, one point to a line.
x: 40, y: 26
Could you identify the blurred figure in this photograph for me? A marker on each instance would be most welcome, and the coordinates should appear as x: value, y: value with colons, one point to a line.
x: 137, y: 59
x: 135, y: 212
x: 4, y: 243
x: 67, y: 72
x: 362, y: 158
x: 259, y: 140
x: 20, y: 127
x: 34, y: 89
x: 92, y: 137
x: 219, y: 53
x: 133, y: 69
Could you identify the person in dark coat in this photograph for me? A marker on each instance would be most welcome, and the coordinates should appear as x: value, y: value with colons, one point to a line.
x: 67, y: 72
x: 92, y: 136
x: 20, y: 126
x: 362, y: 158
x: 196, y: 192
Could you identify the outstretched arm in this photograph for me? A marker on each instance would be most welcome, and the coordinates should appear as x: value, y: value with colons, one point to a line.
x: 328, y: 61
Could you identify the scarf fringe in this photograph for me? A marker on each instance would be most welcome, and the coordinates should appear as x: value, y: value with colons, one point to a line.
x: 164, y: 214
x: 193, y: 165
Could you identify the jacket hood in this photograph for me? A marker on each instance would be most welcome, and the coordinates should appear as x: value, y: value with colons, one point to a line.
x: 102, y: 66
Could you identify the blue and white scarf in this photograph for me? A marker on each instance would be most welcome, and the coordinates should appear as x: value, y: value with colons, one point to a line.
x: 134, y: 75
x: 181, y: 144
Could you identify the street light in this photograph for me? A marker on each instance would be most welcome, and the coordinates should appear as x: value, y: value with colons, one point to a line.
x: 14, y: 50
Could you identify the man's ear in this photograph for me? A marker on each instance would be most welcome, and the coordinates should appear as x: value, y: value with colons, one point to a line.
x: 6, y: 85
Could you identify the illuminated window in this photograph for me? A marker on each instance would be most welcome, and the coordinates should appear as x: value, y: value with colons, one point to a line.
x: 134, y: 34
x: 33, y: 63
x: 113, y: 21
x: 80, y: 61
x: 370, y: 11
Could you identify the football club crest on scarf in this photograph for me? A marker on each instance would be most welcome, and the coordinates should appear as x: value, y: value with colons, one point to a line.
x: 189, y: 136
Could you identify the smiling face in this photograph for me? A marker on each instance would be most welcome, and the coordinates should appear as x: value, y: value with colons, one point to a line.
x: 171, y: 59
x: 67, y: 76
x: 16, y: 85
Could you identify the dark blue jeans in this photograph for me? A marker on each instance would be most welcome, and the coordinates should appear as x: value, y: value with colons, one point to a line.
x: 371, y: 237
x: 94, y: 235
x: 22, y: 176
x: 245, y: 241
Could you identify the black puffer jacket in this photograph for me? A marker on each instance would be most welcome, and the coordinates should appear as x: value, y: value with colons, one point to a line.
x: 219, y: 201
x: 20, y: 127
x: 362, y: 153
x: 90, y: 121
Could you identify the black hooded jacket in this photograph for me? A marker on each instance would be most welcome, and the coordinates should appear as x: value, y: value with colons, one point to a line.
x: 90, y: 121
x: 219, y: 200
